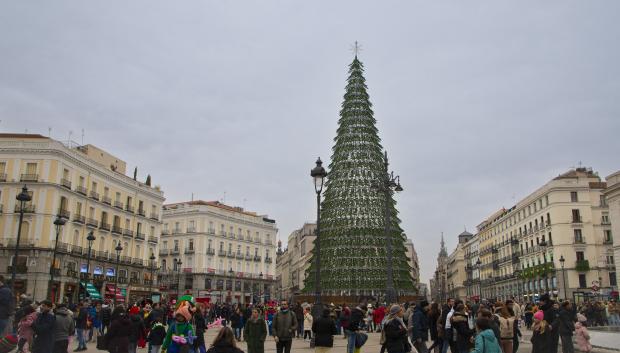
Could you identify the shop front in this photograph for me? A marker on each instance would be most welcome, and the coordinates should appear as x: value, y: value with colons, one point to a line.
x: 112, y: 291
x: 90, y: 291
x: 137, y: 294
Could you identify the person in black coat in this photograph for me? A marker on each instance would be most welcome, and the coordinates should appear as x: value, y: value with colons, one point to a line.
x: 137, y: 329
x: 200, y: 326
x: 395, y: 331
x: 324, y: 329
x: 117, y: 338
x: 566, y: 327
x: 460, y: 324
x: 433, y: 316
x: 552, y: 317
x: 43, y: 328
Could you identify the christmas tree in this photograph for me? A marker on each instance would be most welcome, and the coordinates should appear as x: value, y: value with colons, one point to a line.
x: 352, y: 235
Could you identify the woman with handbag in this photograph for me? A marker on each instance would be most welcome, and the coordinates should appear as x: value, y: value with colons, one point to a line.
x: 394, y: 335
x: 117, y: 338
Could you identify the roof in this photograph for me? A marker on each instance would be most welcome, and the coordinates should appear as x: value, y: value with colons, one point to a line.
x: 213, y: 204
x: 576, y: 173
x: 465, y: 234
x: 22, y: 136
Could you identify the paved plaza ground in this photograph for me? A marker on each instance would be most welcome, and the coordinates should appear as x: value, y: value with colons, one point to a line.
x: 372, y: 346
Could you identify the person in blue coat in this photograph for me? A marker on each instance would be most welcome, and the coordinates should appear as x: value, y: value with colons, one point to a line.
x: 418, y: 326
x: 485, y: 339
x: 43, y: 328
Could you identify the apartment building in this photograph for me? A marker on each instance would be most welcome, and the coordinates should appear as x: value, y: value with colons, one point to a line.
x: 456, y: 275
x: 293, y: 261
x: 612, y: 198
x: 412, y: 255
x: 216, y: 252
x: 472, y: 268
x: 87, y: 190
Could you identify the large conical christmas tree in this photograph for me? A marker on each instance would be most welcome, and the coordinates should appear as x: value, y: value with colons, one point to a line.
x: 353, y: 243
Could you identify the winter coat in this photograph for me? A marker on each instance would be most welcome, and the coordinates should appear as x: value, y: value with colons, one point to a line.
x: 284, y: 325
x: 235, y: 320
x: 117, y: 337
x: 137, y: 328
x: 461, y: 325
x: 378, y: 315
x: 178, y: 329
x: 106, y: 315
x: 65, y: 325
x: 395, y: 336
x: 566, y: 322
x: 552, y: 317
x: 582, y: 338
x: 486, y: 343
x: 221, y: 348
x: 24, y: 328
x: 308, y: 321
x: 432, y: 325
x: 254, y: 333
x: 324, y: 329
x: 157, y: 334
x: 43, y: 328
x: 541, y: 341
x: 200, y: 325
x: 7, y: 302
x: 357, y: 318
x: 419, y: 325
x: 82, y: 318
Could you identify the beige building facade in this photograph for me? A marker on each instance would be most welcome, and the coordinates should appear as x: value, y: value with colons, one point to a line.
x: 88, y: 189
x: 218, y: 253
x: 612, y: 198
x: 412, y: 254
x: 293, y: 261
x: 456, y: 275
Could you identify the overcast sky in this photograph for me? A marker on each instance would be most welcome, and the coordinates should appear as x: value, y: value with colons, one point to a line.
x: 477, y: 103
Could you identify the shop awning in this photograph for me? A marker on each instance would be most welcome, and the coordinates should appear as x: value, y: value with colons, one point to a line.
x: 93, y: 293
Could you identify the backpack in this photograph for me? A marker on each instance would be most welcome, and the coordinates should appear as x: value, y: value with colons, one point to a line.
x: 506, y: 327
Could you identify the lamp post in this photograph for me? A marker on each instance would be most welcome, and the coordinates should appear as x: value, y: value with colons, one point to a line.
x: 562, y: 259
x: 22, y: 197
x: 58, y: 222
x: 543, y: 245
x: 388, y: 184
x: 179, y: 263
x: 91, y: 239
x: 231, y: 273
x: 318, y: 174
x: 152, y: 258
x: 479, y: 265
x: 118, y: 250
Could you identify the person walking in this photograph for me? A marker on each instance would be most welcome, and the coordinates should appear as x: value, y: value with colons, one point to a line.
x: 507, y: 328
x: 106, y: 317
x: 284, y: 327
x: 552, y: 319
x: 566, y: 327
x: 81, y: 326
x: 25, y: 332
x: 200, y: 324
x: 137, y: 328
x: 157, y: 335
x: 394, y: 335
x: 308, y: 324
x: 7, y: 305
x: 224, y: 342
x: 418, y: 326
x: 64, y: 328
x: 236, y: 322
x: 460, y: 326
x: 43, y: 328
x: 299, y: 313
x: 324, y: 329
x: 356, y: 321
x: 255, y: 332
x: 117, y: 337
x: 582, y: 337
x: 180, y: 327
x: 485, y: 341
x: 433, y: 317
x: 540, y: 334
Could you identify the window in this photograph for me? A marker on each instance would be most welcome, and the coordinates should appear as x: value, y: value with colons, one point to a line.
x: 165, y: 245
x: 576, y: 216
x: 578, y: 236
x: 31, y: 168
x: 582, y: 281
x: 117, y: 198
x: 580, y: 256
x: 81, y: 181
x: 3, y: 167
x: 605, y: 218
x: 603, y: 201
x: 612, y: 279
x: 94, y: 187
x: 607, y: 236
x: 573, y: 196
x: 78, y: 208
x: 106, y: 191
x: 209, y: 246
x: 191, y: 244
x: 176, y: 245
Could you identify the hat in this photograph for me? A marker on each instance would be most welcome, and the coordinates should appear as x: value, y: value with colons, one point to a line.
x: 395, y: 309
x: 369, y: 306
x: 134, y: 310
x: 581, y: 317
x: 539, y: 315
x: 545, y: 297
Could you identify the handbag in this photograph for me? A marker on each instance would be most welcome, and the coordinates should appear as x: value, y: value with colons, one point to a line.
x: 102, y: 343
x: 360, y: 339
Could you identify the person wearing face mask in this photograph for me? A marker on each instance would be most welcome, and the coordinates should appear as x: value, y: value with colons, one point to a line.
x: 255, y: 332
x: 284, y: 326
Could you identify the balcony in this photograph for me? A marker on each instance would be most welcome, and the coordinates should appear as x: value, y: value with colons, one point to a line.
x: 579, y: 240
x: 81, y: 190
x: 122, y: 280
x: 134, y: 280
x: 129, y: 208
x: 257, y: 258
x: 76, y: 250
x: 18, y: 269
x: 104, y: 226
x: 141, y: 212
x: 211, y: 231
x: 239, y: 256
x: 140, y: 236
x: 27, y: 208
x: 230, y: 254
x: 55, y: 271
x: 174, y: 251
x: 101, y: 255
x: 177, y: 231
x: 136, y: 261
x: 190, y: 251
x: 118, y: 205
x: 72, y: 273
x: 117, y: 230
x: 582, y: 265
x: 94, y: 195
x: 66, y: 183
x: 221, y: 252
x: 577, y: 220
x: 210, y: 251
x: 128, y: 233
x: 268, y: 260
x: 191, y: 229
x: 163, y: 252
x: 106, y: 200
x: 91, y: 222
x: 155, y: 216
x: 153, y: 239
x: 249, y: 257
x: 64, y: 213
x: 2, y: 177
x: 126, y: 259
x: 33, y: 178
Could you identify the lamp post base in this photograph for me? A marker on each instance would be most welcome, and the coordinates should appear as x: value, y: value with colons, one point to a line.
x: 390, y: 296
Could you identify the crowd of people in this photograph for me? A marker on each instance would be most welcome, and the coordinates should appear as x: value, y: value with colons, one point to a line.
x: 179, y: 326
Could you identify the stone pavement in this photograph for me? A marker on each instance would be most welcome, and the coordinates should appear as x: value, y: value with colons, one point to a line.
x: 599, y: 340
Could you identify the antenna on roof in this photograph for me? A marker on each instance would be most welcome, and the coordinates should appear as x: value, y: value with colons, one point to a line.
x: 82, y: 137
x: 244, y: 200
x: 224, y: 198
x: 49, y: 131
x: 70, y: 133
x: 192, y: 196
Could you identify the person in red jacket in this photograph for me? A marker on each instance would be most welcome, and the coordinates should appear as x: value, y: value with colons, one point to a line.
x: 377, y: 317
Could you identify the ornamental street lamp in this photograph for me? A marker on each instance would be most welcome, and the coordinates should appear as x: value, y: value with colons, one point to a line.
x: 152, y: 258
x: 179, y: 263
x: 318, y: 174
x: 22, y: 197
x: 58, y: 222
x: 118, y: 250
x: 543, y: 245
x: 562, y: 259
x: 479, y: 265
x: 91, y: 239
x: 231, y: 273
x: 388, y: 184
